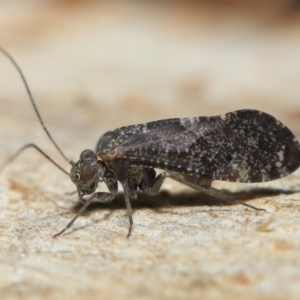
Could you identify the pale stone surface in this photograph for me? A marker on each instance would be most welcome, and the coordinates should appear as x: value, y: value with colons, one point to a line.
x: 100, y: 66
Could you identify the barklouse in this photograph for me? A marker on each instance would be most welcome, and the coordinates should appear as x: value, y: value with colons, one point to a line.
x: 240, y: 146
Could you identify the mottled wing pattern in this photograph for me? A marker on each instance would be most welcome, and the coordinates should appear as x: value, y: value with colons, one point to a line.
x: 240, y: 146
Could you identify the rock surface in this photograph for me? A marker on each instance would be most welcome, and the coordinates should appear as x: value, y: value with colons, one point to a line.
x: 97, y: 66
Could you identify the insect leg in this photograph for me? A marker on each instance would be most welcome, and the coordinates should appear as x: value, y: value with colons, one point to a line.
x: 201, y: 184
x: 158, y: 181
x: 130, y: 193
x: 203, y: 187
x: 152, y: 184
x: 101, y: 197
x: 147, y: 181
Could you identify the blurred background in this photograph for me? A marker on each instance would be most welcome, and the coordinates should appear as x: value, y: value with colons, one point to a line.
x: 98, y: 65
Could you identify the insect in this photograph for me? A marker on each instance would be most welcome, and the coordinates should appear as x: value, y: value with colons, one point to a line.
x: 240, y: 146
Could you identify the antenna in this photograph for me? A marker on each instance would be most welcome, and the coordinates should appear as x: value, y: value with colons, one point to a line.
x: 8, y: 161
x: 35, y: 107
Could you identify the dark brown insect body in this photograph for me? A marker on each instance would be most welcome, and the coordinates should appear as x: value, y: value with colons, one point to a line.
x: 240, y: 146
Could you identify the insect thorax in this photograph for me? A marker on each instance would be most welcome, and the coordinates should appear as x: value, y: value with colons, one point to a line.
x: 112, y: 157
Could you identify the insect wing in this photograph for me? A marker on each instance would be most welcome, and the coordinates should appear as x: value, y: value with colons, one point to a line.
x: 240, y: 146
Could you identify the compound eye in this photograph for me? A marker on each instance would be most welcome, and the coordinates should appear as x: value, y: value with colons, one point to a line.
x: 88, y: 171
